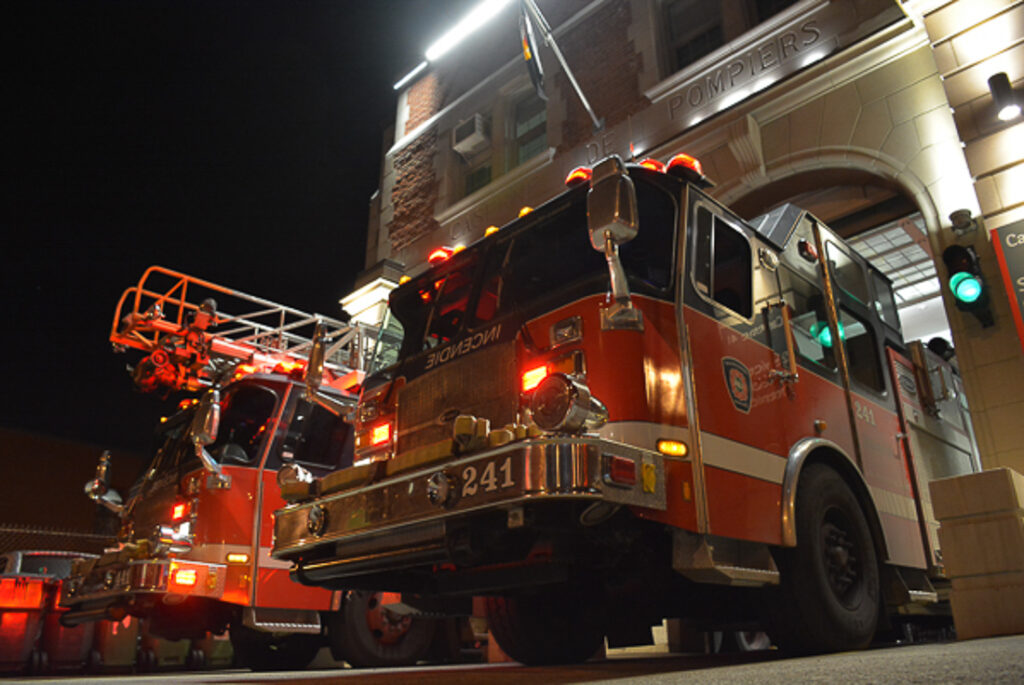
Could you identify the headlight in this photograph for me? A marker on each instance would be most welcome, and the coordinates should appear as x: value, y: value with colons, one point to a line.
x: 562, y: 404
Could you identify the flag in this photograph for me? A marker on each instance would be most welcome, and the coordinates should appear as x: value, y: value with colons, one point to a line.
x: 530, y: 53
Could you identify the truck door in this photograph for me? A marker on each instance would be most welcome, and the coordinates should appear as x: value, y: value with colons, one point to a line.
x: 748, y: 407
x: 860, y: 299
x: 320, y: 442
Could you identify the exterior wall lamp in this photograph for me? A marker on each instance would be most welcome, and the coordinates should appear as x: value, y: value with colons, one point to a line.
x: 1007, y: 101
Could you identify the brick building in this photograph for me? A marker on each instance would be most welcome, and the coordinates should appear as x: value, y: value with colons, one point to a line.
x: 875, y: 115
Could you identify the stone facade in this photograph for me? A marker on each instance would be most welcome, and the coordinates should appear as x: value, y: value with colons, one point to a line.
x: 822, y: 91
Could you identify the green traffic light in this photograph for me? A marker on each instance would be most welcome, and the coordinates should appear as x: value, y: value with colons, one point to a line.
x: 823, y: 333
x: 966, y: 287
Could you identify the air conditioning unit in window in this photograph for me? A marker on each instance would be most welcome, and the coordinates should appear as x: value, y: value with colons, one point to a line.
x: 472, y: 136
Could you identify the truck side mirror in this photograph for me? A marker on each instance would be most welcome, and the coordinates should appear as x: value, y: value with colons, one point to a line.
x: 203, y: 430
x: 315, y: 375
x: 611, y: 205
x: 98, y: 489
x: 315, y: 367
x: 612, y: 220
x: 206, y: 421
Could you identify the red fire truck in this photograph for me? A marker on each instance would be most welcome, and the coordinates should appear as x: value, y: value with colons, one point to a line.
x: 195, y: 538
x: 632, y: 404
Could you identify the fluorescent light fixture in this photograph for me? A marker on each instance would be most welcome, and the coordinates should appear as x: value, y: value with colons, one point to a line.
x: 411, y: 75
x: 1007, y: 103
x: 480, y: 15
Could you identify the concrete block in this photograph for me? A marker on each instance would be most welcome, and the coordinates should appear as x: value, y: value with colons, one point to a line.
x: 988, y: 605
x: 987, y: 492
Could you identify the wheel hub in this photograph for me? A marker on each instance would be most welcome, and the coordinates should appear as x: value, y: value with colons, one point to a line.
x: 841, y: 562
x: 386, y: 626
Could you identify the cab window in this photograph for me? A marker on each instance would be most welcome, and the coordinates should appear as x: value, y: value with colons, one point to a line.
x: 722, y: 264
x: 862, y: 351
x: 848, y: 273
x: 318, y: 438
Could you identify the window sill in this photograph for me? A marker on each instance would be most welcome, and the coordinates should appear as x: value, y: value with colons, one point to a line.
x: 530, y: 166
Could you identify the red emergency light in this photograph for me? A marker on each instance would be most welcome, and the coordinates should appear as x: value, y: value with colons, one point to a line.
x: 441, y: 254
x: 380, y: 434
x: 185, y: 577
x: 178, y: 511
x: 533, y: 377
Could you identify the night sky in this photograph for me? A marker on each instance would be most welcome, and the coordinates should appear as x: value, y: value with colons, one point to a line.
x: 239, y: 142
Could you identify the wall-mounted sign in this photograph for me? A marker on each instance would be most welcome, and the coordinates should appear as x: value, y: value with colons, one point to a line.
x: 1008, y: 242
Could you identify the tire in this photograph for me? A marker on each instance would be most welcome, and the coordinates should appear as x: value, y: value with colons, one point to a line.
x: 828, y: 599
x: 94, y: 662
x: 261, y: 651
x: 365, y: 634
x: 745, y: 641
x: 559, y: 625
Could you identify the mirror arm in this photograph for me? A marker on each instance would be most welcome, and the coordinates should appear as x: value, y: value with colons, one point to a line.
x: 98, y: 489
x: 329, y: 403
x: 620, y: 314
x: 211, y: 465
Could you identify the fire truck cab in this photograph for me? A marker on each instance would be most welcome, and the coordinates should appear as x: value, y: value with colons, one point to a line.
x: 195, y: 537
x: 632, y: 404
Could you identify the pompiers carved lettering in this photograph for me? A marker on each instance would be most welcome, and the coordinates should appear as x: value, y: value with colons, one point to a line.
x: 745, y: 68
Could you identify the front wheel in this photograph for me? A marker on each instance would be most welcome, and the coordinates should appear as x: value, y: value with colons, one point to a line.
x: 262, y: 651
x: 559, y: 625
x: 365, y: 633
x: 828, y: 599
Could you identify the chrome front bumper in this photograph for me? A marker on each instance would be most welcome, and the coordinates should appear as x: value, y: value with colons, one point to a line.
x: 125, y: 583
x: 386, y: 523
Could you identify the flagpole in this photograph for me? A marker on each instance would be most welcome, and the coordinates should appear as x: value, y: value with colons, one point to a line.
x: 549, y: 40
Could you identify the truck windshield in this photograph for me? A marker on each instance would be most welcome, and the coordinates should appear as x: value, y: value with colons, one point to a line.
x: 529, y: 267
x: 245, y: 418
x: 246, y: 411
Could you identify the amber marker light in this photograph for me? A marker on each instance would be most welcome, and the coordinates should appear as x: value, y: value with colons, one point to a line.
x: 491, y: 230
x: 533, y: 377
x: 653, y: 165
x: 685, y: 161
x: 525, y: 210
x: 673, y: 448
x: 238, y: 558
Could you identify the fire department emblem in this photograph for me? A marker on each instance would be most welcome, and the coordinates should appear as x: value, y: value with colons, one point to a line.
x: 737, y: 381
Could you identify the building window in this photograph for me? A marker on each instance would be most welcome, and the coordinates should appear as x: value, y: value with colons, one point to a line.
x: 695, y: 28
x: 478, y: 177
x: 529, y: 129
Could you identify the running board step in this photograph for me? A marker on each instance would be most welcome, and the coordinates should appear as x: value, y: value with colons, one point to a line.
x: 711, y: 559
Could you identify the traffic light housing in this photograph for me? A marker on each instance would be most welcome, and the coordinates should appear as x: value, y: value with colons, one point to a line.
x: 967, y: 284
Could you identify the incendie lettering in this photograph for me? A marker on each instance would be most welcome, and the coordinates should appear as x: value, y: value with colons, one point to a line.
x: 460, y: 348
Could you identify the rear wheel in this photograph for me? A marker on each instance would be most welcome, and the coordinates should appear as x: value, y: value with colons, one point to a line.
x: 828, y: 598
x: 365, y: 633
x: 559, y: 625
x: 262, y: 651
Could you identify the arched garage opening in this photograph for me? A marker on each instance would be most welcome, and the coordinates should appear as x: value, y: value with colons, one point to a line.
x: 881, y: 222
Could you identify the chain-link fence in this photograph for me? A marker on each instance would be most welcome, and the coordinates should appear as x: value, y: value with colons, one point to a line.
x: 19, y: 537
